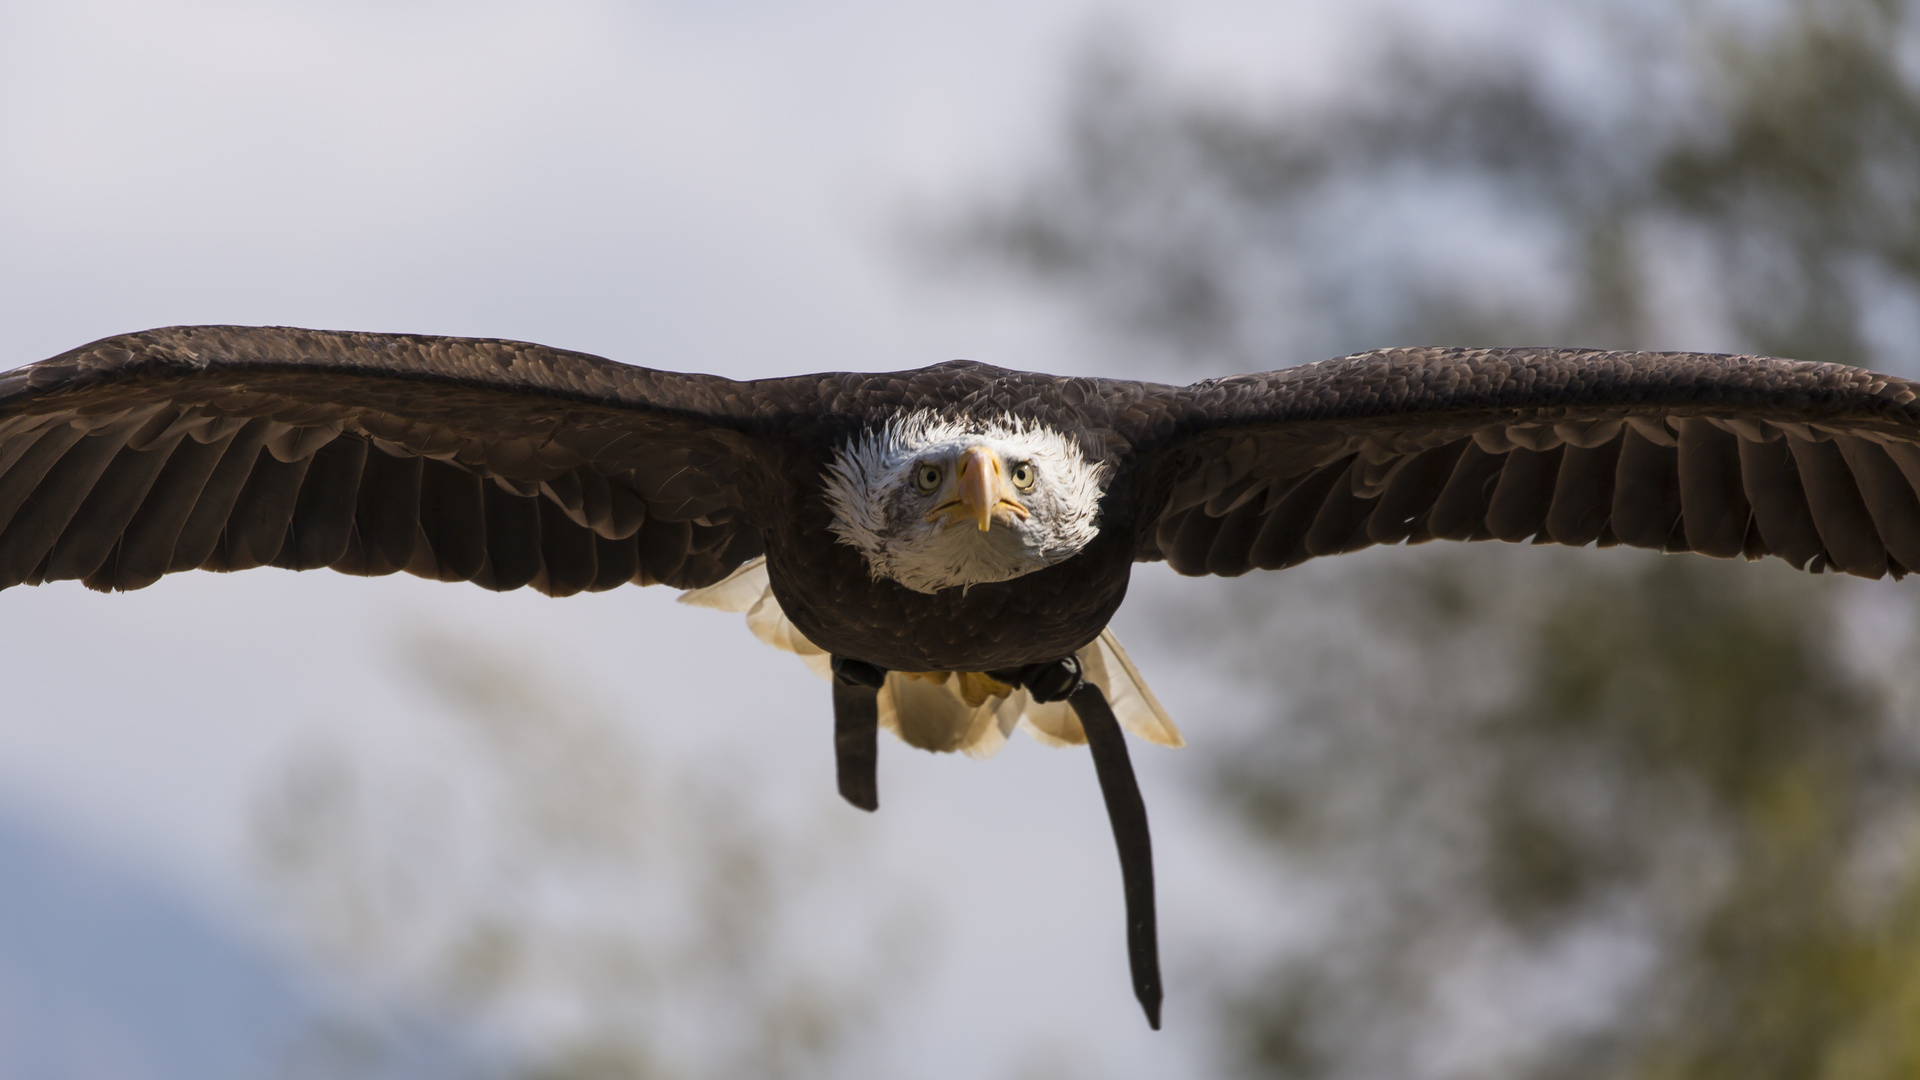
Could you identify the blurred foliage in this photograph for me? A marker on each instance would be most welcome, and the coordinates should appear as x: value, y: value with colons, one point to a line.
x: 1749, y: 179
x: 1558, y: 814
x: 576, y: 915
x: 1587, y: 815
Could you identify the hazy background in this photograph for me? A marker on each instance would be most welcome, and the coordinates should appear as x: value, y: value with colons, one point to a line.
x: 1487, y: 811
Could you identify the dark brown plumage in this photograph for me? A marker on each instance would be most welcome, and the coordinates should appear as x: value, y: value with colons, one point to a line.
x: 512, y: 465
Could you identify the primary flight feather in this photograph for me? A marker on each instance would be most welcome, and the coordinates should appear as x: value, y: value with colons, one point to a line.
x: 948, y: 543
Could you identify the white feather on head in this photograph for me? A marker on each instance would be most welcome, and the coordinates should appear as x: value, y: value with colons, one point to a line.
x: 878, y: 510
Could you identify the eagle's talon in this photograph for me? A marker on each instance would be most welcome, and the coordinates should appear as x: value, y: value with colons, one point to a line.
x: 1052, y: 681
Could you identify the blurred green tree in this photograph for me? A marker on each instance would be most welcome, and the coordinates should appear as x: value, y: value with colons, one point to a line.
x: 1562, y: 814
x: 1744, y: 173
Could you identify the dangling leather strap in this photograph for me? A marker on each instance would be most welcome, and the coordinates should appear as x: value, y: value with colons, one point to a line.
x: 856, y: 730
x: 1128, y: 814
x: 1126, y: 811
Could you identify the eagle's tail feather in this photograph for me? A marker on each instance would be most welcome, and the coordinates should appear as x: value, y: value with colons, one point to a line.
x: 736, y: 592
x: 1128, y: 695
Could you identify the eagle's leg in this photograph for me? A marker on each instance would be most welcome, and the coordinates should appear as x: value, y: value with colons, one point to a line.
x: 1125, y: 810
x: 856, y: 729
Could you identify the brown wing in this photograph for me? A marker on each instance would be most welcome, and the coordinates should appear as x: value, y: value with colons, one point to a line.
x: 1817, y: 464
x: 497, y: 462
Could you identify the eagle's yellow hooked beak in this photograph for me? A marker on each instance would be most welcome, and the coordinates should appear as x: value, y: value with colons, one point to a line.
x: 983, y: 489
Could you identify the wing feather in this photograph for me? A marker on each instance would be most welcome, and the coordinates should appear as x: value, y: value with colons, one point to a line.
x: 146, y: 545
x: 43, y: 516
x: 90, y: 536
x: 567, y: 552
x: 386, y: 514
x: 461, y: 459
x: 663, y: 548
x: 41, y: 454
x: 1460, y: 512
x: 200, y: 542
x: 1728, y: 456
x: 1839, y: 514
x: 1228, y: 553
x: 616, y: 562
x: 1281, y: 541
x: 262, y: 515
x: 453, y: 516
x: 323, y: 509
x: 1341, y: 524
x: 1646, y: 490
x: 256, y: 527
x: 1888, y: 497
x: 1187, y: 549
x: 1518, y: 510
x: 1583, y: 492
x: 1403, y: 506
x: 1771, y: 479
x: 1713, y: 503
x: 513, y: 539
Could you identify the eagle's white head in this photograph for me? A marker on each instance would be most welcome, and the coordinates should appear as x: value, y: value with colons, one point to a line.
x: 934, y: 502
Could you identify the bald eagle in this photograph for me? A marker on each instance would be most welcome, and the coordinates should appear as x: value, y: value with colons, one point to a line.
x: 947, y: 544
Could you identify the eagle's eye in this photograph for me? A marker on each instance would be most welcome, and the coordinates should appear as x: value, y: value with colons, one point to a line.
x: 927, y: 479
x: 1023, y: 476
